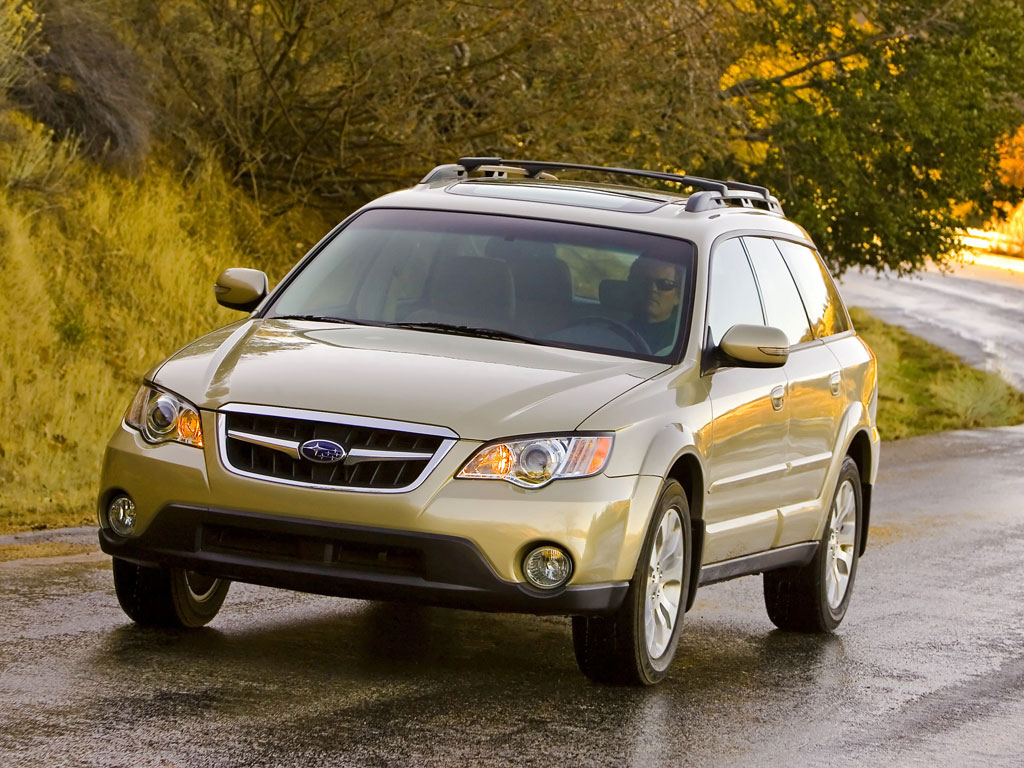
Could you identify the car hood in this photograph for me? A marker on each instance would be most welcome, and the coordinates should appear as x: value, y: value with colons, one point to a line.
x: 480, y: 388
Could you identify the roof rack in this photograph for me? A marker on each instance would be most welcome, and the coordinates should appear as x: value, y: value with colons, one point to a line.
x: 714, y: 193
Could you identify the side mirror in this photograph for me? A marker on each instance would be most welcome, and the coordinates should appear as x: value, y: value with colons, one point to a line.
x: 756, y: 346
x: 241, y: 288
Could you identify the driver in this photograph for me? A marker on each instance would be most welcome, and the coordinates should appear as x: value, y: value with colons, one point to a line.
x: 655, y: 293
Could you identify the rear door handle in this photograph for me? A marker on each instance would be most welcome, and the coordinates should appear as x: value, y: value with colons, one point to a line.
x: 835, y: 382
x: 778, y: 396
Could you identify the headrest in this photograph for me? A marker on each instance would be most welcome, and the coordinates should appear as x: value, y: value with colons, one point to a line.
x: 617, y: 295
x: 473, y: 287
x: 514, y: 250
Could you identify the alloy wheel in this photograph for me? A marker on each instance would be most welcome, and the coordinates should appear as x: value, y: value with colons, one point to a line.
x: 841, y: 544
x: 664, y: 584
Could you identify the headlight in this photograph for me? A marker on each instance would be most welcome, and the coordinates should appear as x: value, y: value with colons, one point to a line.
x: 164, y: 417
x: 533, y: 462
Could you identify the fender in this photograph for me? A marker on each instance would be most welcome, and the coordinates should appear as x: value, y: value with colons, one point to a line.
x: 668, y: 446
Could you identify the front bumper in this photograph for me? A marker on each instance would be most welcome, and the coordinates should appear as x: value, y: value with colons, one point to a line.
x: 471, y: 535
x: 345, y: 560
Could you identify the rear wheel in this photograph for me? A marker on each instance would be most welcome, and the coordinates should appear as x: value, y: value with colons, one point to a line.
x: 167, y: 597
x: 636, y: 645
x: 814, y: 597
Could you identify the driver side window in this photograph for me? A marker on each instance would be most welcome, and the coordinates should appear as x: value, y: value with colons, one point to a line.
x: 733, y: 298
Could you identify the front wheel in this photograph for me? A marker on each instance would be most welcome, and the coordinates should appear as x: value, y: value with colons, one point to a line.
x: 167, y: 597
x: 814, y: 597
x: 636, y: 645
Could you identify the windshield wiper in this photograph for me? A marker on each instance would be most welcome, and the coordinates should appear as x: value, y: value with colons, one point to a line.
x: 465, y: 330
x: 319, y: 318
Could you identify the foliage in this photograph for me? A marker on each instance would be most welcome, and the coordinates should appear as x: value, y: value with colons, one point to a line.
x: 1011, y: 160
x: 888, y: 114
x: 81, y: 81
x: 19, y: 26
x: 29, y: 154
x: 332, y: 108
x: 869, y: 119
x: 1013, y: 229
x: 1011, y: 169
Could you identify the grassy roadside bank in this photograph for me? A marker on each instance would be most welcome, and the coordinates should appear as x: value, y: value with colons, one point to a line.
x: 110, y: 275
x: 923, y: 389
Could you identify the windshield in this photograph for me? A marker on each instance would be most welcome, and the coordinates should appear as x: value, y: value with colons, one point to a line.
x: 519, y: 280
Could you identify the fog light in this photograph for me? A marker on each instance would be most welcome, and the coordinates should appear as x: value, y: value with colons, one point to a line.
x: 547, y: 567
x: 121, y: 515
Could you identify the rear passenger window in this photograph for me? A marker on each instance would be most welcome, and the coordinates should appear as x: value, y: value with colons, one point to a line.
x: 821, y: 299
x: 782, y: 304
x: 733, y: 296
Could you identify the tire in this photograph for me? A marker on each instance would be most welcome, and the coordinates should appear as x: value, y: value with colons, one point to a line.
x: 814, y: 597
x: 636, y: 644
x: 167, y: 597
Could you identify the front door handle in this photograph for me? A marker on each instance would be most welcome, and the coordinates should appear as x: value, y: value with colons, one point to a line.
x: 778, y: 396
x: 835, y: 382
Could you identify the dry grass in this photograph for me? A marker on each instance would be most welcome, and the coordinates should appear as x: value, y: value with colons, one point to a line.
x: 44, y: 549
x: 103, y: 277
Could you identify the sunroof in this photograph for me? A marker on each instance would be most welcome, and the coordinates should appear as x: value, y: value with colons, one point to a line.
x: 542, y: 193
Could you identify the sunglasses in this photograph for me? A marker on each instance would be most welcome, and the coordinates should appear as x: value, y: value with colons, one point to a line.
x: 661, y: 283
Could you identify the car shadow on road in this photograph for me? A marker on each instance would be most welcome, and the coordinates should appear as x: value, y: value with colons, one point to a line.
x: 419, y: 645
x: 377, y: 680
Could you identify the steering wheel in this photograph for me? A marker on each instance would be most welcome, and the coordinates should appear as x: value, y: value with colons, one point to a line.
x: 638, y: 342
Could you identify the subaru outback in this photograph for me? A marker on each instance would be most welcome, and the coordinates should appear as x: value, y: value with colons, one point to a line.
x: 506, y: 390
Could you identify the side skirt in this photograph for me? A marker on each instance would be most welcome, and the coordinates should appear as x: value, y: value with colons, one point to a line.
x: 794, y: 554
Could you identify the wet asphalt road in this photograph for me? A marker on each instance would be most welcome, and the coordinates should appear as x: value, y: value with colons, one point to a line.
x: 927, y: 669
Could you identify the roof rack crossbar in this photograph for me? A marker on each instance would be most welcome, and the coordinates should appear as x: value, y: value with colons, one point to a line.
x: 534, y: 167
x: 472, y: 163
x: 714, y: 193
x: 739, y: 185
x: 707, y: 201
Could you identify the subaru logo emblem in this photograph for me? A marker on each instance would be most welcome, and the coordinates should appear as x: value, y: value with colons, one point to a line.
x: 322, y: 451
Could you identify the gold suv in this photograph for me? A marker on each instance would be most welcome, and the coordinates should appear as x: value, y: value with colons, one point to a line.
x: 505, y: 391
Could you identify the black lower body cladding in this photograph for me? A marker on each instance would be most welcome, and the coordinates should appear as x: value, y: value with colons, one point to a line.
x: 346, y: 561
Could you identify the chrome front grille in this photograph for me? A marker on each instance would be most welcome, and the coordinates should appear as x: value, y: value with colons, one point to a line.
x: 380, y: 455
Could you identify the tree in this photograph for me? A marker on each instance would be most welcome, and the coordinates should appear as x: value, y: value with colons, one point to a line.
x: 887, y: 114
x: 1011, y: 160
x: 325, y: 106
x: 870, y: 120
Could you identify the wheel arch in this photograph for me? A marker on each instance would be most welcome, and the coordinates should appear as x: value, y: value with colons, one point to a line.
x: 676, y: 452
x: 688, y: 472
x: 860, y: 451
